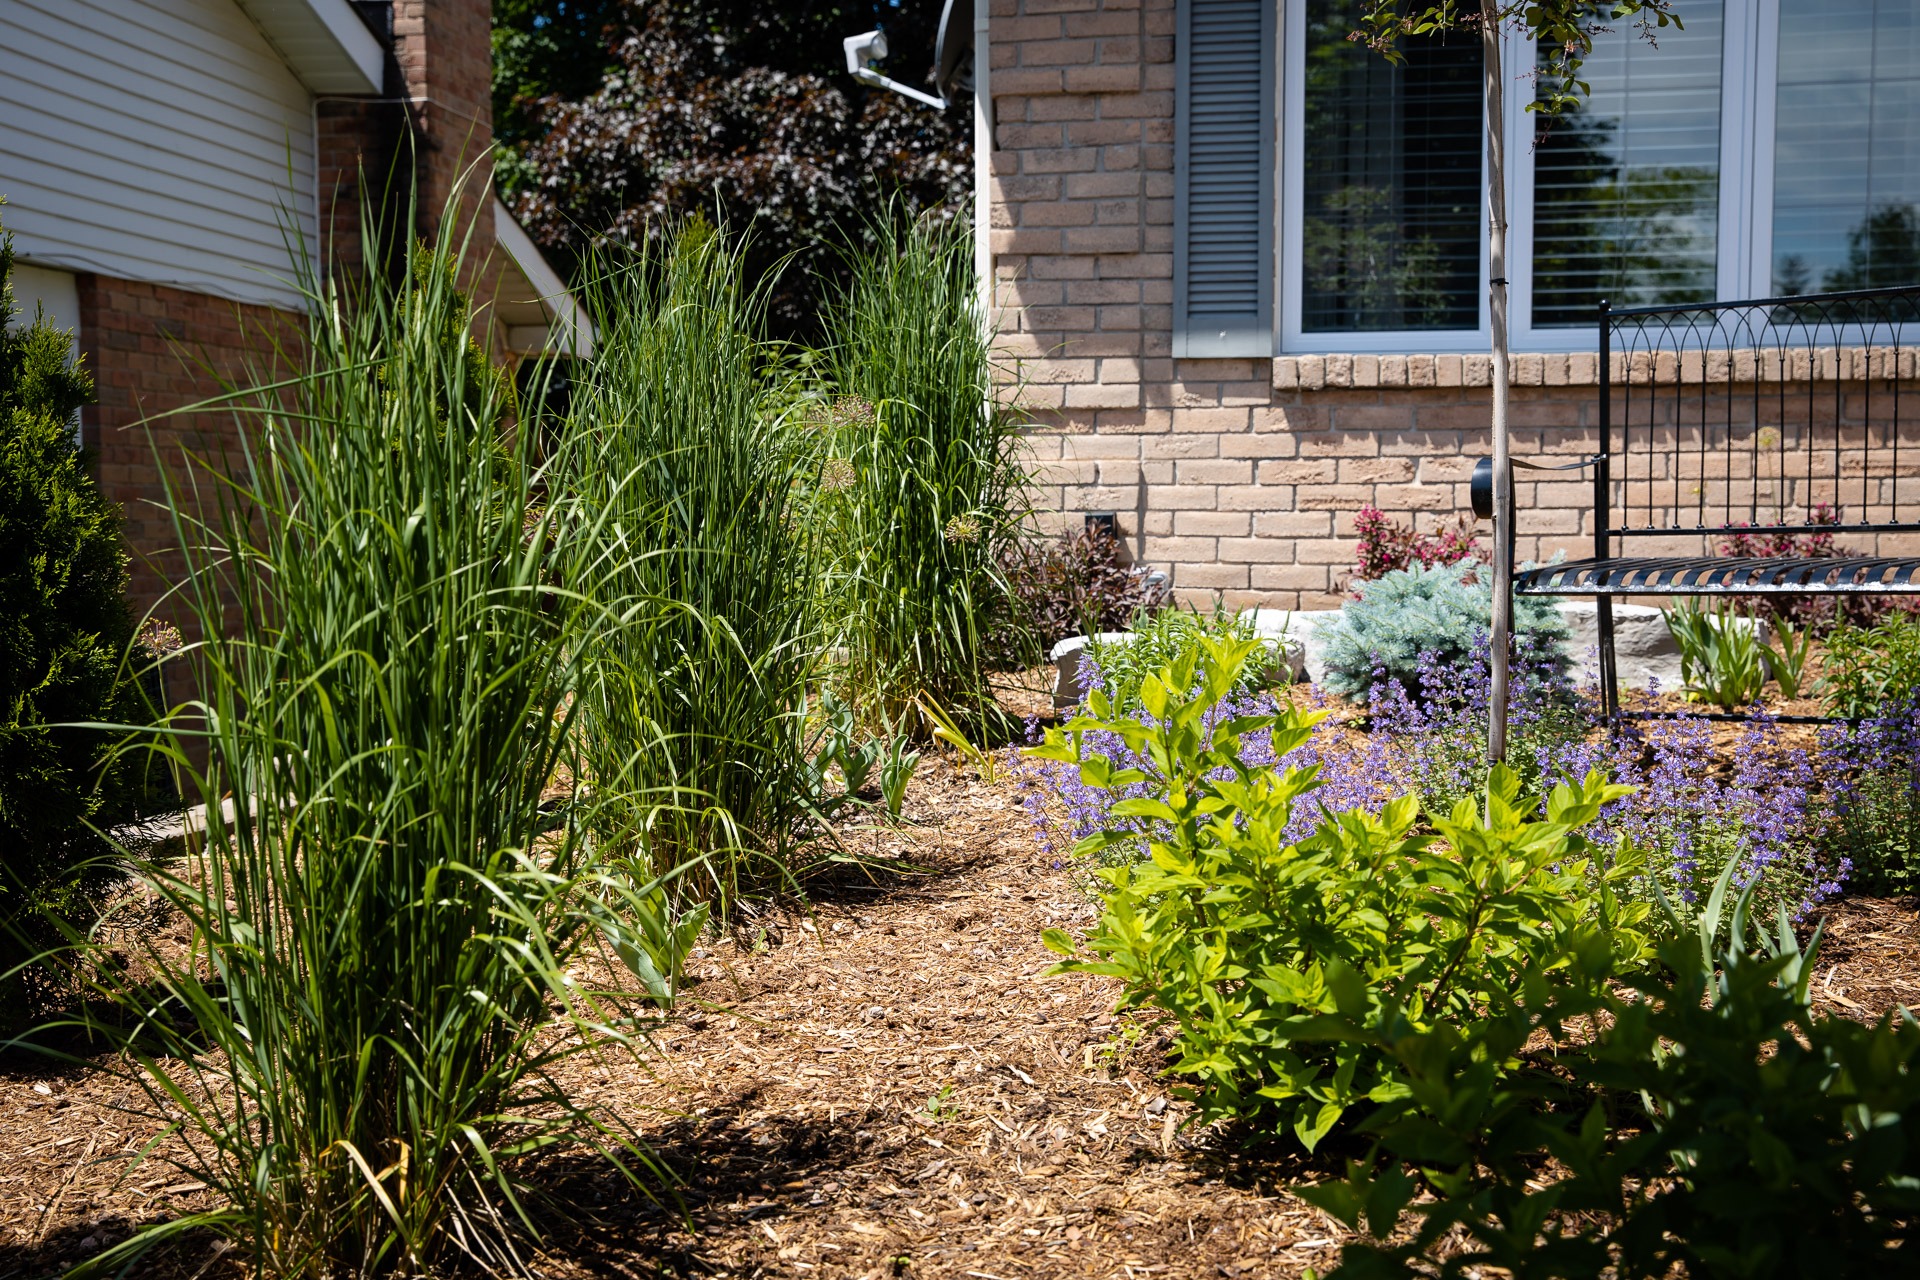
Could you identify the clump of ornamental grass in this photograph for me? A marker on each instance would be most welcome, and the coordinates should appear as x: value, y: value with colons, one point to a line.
x: 925, y: 481
x: 355, y: 1051
x: 701, y: 571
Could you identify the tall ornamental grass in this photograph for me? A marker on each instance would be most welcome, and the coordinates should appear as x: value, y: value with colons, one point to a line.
x: 355, y: 1054
x: 681, y: 441
x: 926, y: 473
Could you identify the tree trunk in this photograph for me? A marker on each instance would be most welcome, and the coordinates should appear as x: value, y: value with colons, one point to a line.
x: 1495, y: 75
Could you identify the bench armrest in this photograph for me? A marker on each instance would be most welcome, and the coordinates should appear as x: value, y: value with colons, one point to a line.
x: 1480, y: 487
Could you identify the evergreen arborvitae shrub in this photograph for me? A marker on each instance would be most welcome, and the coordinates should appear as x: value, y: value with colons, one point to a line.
x: 64, y: 628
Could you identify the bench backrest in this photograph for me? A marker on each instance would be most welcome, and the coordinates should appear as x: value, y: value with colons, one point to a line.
x: 1781, y: 414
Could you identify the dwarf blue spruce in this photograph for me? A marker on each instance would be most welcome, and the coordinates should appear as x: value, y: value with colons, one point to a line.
x: 1382, y: 632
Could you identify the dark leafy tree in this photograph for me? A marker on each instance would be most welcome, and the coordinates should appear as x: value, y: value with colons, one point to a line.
x: 740, y: 111
x: 546, y: 51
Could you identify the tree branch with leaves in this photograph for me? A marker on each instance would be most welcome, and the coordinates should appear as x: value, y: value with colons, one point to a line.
x: 1565, y: 30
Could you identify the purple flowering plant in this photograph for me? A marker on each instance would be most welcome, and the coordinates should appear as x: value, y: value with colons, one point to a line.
x: 1692, y: 814
x: 1872, y: 776
x: 1768, y: 809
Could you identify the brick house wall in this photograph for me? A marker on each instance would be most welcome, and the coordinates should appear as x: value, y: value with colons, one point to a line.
x: 1237, y: 477
x: 443, y: 50
x: 153, y: 350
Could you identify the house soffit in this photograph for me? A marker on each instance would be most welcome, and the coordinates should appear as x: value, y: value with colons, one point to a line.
x: 323, y: 42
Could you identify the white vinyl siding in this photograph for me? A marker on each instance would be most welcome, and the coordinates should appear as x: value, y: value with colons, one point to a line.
x: 163, y: 141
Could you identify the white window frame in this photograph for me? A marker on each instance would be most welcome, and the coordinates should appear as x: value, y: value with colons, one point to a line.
x: 1745, y: 251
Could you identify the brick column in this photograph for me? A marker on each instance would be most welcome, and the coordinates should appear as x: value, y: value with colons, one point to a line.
x: 154, y: 350
x: 444, y: 53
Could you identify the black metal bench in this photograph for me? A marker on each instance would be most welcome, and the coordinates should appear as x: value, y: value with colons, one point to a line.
x: 1741, y: 417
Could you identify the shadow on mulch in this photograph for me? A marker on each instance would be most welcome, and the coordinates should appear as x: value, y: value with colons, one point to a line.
x: 731, y: 1170
x: 196, y: 1255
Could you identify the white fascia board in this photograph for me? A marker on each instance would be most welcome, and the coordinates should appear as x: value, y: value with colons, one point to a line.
x: 323, y: 42
x: 570, y: 329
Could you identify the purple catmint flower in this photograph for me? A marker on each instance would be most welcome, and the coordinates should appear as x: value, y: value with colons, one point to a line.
x: 1688, y: 815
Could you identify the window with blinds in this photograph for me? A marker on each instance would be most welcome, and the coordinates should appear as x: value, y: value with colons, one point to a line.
x: 1390, y: 228
x: 1760, y: 148
x: 1626, y: 183
x: 1224, y: 179
x: 1846, y: 164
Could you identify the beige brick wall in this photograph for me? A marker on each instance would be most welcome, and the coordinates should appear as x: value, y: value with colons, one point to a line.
x: 1238, y: 477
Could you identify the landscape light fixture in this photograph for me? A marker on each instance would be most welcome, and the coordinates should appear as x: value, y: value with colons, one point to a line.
x: 952, y: 56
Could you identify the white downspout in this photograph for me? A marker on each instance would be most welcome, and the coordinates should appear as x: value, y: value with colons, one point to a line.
x: 983, y: 160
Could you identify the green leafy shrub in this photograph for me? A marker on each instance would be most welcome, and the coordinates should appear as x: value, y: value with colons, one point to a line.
x: 1158, y: 641
x: 64, y: 630
x: 1382, y: 633
x: 1287, y: 968
x: 1712, y: 1126
x: 925, y: 474
x: 1869, y: 669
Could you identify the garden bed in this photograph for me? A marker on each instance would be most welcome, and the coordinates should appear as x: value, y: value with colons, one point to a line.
x: 885, y: 1085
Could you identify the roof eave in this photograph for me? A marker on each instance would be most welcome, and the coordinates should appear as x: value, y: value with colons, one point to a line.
x: 323, y: 42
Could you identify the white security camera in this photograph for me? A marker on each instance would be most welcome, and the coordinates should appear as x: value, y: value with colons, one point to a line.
x: 865, y: 50
x: 870, y: 47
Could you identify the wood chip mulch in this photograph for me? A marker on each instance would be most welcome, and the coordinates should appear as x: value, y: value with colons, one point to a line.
x: 884, y: 1084
x: 1868, y: 963
x: 889, y: 1085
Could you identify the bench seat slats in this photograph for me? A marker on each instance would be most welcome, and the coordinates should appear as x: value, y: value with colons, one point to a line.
x: 1731, y: 576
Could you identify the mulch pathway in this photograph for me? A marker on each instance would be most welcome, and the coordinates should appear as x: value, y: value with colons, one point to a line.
x: 891, y: 1085
x: 884, y: 1084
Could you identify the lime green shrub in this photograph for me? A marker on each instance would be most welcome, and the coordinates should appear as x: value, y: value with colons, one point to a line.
x: 1159, y: 640
x: 1289, y: 969
x: 1711, y: 1126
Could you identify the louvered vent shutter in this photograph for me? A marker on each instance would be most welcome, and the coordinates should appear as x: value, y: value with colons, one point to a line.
x: 1224, y: 209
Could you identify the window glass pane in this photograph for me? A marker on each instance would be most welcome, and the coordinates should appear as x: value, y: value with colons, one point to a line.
x: 1626, y: 184
x: 1846, y: 158
x: 1391, y: 181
